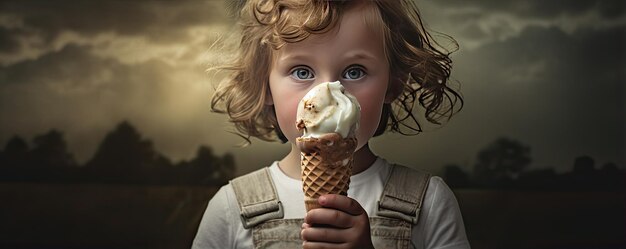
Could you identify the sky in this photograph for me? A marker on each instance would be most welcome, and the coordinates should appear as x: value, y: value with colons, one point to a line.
x: 549, y: 74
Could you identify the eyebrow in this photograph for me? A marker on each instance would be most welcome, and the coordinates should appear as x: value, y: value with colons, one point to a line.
x: 293, y: 57
x: 359, y: 54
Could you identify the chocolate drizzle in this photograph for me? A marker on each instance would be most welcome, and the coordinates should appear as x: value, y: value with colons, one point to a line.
x: 331, y: 146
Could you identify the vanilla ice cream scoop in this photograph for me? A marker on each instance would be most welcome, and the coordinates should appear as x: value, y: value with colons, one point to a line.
x: 328, y: 108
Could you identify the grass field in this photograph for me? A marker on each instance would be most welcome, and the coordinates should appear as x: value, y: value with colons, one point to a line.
x: 136, y: 216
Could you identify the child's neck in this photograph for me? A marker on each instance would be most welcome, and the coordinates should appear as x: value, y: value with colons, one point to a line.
x: 290, y: 164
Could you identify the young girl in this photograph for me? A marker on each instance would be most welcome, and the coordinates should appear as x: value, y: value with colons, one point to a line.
x: 382, y: 55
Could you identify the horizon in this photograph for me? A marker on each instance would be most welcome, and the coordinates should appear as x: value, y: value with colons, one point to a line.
x: 471, y: 169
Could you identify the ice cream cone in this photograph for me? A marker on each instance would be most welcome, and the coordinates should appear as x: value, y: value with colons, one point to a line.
x: 326, y: 167
x: 328, y: 117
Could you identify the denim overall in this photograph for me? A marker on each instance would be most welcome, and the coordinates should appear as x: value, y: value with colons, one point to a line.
x: 398, y: 210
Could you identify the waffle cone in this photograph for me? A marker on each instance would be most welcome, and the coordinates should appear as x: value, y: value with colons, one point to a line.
x: 326, y: 167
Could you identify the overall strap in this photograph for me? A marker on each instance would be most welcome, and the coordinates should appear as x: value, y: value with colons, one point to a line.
x: 257, y: 198
x: 403, y: 194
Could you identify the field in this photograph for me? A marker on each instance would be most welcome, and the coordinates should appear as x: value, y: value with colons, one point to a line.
x: 100, y: 216
x: 136, y: 216
x: 516, y: 219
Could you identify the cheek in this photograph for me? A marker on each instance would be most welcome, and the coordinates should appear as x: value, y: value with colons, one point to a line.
x: 285, y: 105
x: 286, y: 114
x: 370, y: 117
x: 371, y: 109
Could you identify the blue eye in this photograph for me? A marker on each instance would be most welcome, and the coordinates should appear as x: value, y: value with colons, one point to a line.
x: 302, y: 73
x: 354, y: 73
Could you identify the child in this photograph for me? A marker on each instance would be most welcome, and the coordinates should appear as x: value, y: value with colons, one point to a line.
x: 382, y: 55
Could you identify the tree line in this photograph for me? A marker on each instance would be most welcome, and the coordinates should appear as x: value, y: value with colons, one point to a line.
x: 123, y: 156
x: 503, y: 164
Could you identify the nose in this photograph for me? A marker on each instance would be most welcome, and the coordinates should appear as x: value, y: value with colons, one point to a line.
x: 327, y: 73
x: 326, y: 79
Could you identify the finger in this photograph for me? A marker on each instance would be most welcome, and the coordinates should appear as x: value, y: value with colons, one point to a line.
x: 340, y: 202
x: 304, y: 226
x: 328, y: 235
x: 328, y: 216
x: 321, y: 245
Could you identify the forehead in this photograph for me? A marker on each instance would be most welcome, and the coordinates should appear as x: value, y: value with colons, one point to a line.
x: 359, y: 29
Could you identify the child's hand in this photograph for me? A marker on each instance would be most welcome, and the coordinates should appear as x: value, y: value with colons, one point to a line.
x: 341, y: 223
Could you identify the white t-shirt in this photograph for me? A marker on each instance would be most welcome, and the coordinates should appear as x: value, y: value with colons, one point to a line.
x: 440, y: 223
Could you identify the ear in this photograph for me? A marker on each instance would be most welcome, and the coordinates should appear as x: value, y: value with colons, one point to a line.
x: 268, y: 97
x: 393, y: 90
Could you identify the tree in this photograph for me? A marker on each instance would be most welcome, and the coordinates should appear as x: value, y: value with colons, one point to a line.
x: 15, y: 153
x: 206, y: 168
x: 612, y: 177
x: 205, y: 165
x: 124, y: 155
x: 226, y: 169
x: 455, y: 176
x: 584, y: 165
x: 501, y: 161
x: 50, y: 151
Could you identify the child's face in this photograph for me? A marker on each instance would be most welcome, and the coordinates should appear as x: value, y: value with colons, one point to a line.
x: 351, y: 53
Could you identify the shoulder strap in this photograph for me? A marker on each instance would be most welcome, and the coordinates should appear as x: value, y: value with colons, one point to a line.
x: 403, y: 194
x: 257, y: 198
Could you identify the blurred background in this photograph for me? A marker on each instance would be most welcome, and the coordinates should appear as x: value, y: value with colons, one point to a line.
x: 107, y: 139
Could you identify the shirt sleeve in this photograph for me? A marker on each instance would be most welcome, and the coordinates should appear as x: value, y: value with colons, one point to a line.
x: 216, y: 228
x: 443, y: 226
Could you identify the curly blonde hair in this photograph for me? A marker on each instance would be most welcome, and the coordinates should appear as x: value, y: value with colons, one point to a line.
x: 419, y: 71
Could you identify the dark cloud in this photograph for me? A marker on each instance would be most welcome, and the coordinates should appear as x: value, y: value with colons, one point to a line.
x: 611, y: 9
x: 476, y: 23
x: 8, y: 42
x: 160, y: 21
x: 539, y: 8
x: 562, y: 93
x: 73, y: 64
x: 472, y: 32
